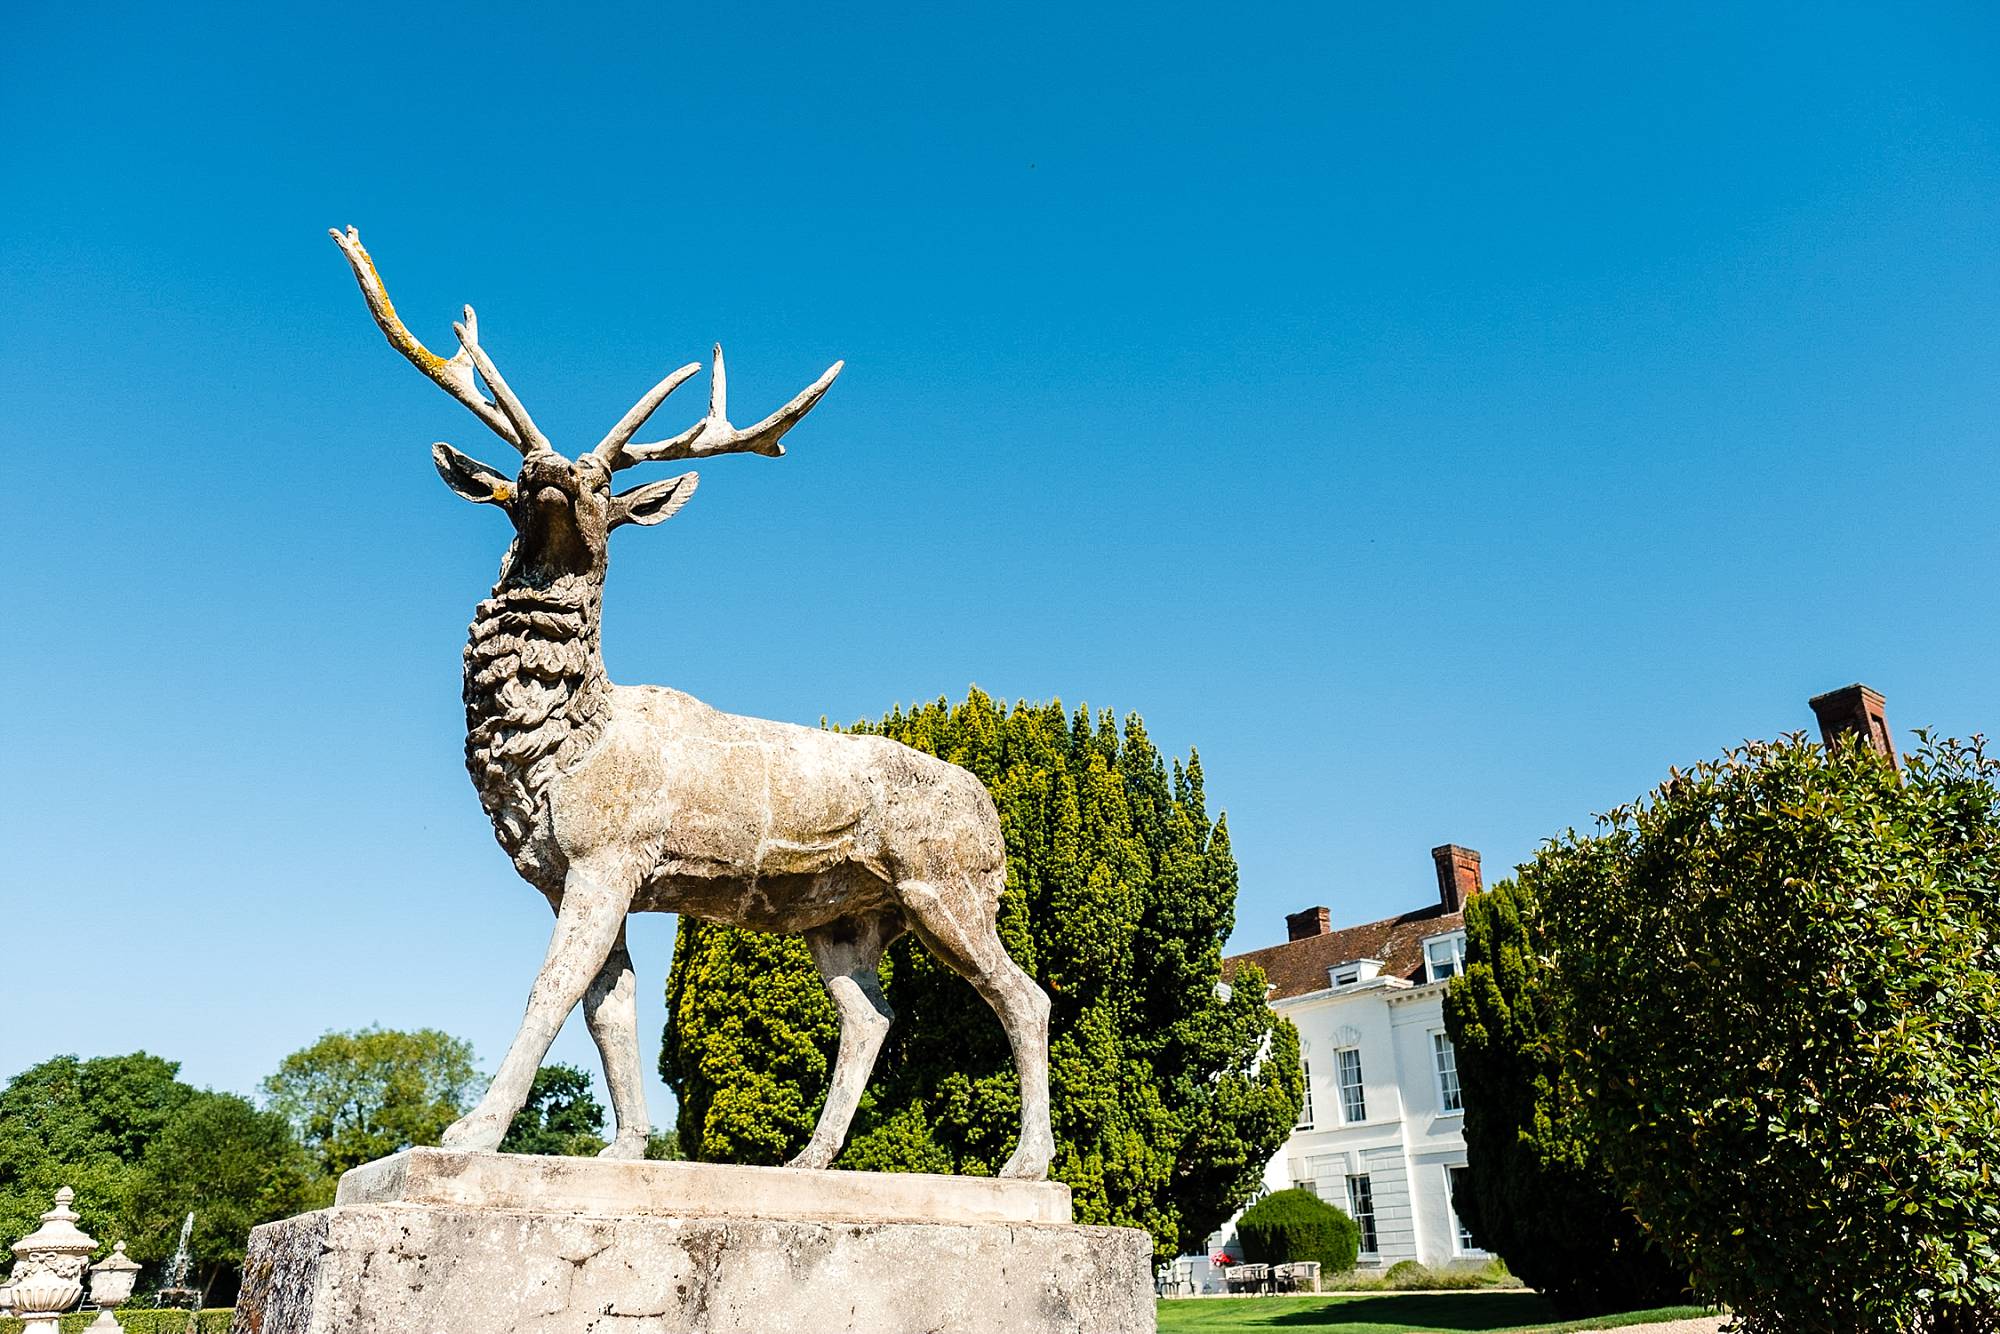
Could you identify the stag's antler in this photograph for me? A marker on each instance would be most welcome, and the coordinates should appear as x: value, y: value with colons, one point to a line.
x: 508, y: 419
x: 712, y: 434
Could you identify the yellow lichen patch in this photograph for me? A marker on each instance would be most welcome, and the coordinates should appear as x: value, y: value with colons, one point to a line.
x: 377, y: 293
x: 502, y: 491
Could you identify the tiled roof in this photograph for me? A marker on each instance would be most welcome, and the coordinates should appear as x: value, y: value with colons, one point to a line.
x: 1299, y: 966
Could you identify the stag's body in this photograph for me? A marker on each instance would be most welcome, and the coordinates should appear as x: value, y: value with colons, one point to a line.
x: 759, y: 824
x: 615, y: 799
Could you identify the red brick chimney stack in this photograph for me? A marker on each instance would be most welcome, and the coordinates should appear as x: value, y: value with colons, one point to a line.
x: 1458, y: 875
x: 1854, y: 711
x: 1311, y: 922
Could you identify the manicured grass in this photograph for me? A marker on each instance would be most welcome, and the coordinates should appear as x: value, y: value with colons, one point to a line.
x: 1390, y: 1313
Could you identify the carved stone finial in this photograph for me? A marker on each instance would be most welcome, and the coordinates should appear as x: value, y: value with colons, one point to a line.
x: 111, y: 1281
x: 49, y: 1265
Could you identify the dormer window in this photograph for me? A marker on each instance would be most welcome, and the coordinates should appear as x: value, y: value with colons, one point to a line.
x: 1353, y: 972
x: 1445, y: 957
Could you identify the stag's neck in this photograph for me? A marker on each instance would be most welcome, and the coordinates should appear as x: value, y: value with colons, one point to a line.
x: 536, y: 696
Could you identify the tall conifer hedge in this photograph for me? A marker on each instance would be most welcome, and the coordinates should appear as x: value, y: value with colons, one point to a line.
x: 1170, y: 1092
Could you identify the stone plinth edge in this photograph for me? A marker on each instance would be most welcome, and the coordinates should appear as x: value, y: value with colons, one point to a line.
x: 709, y: 1190
x: 432, y: 1269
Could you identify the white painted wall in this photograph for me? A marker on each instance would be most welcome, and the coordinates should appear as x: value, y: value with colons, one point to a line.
x: 1407, y: 1141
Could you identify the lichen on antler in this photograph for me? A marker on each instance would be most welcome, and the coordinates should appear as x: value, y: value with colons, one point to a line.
x: 453, y: 374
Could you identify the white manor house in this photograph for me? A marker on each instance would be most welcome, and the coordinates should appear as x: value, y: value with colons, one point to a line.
x: 1380, y: 1134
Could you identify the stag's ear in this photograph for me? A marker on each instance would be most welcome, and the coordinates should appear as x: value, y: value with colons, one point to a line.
x: 471, y: 478
x: 652, y: 502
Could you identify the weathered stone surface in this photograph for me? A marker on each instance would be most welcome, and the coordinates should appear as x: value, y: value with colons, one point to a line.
x: 618, y: 799
x: 427, y: 1269
x: 706, y: 1190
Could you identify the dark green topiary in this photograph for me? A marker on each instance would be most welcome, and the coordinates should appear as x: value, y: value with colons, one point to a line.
x: 1298, y: 1225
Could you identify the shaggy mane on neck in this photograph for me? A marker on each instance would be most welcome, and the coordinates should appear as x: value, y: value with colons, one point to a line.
x: 535, y: 695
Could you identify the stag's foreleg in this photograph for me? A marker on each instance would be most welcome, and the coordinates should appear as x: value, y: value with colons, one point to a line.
x: 847, y: 953
x: 959, y: 931
x: 611, y: 1009
x: 589, y: 921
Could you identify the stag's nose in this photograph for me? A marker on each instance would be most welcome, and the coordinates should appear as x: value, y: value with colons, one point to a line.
x: 545, y: 472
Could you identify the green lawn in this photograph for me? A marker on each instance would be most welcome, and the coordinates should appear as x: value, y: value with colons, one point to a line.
x: 1389, y: 1313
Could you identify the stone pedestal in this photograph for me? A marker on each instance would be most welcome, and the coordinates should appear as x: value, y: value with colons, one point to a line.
x: 436, y: 1242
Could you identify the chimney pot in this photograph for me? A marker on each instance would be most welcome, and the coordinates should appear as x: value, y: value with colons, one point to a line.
x: 1458, y: 875
x: 1311, y: 922
x: 1855, y: 711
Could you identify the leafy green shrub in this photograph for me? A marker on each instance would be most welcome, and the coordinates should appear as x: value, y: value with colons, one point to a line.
x: 1785, y: 972
x: 1539, y: 1191
x: 214, y: 1321
x: 1298, y: 1225
x: 1455, y: 1278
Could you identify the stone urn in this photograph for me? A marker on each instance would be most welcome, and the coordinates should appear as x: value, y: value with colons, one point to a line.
x: 111, y: 1281
x: 48, y: 1267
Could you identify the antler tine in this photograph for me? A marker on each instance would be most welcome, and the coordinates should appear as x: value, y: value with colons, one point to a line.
x: 455, y: 374
x: 611, y: 449
x: 524, y: 426
x: 714, y: 435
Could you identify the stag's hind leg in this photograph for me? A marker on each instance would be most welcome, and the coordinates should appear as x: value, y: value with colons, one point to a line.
x: 611, y: 1010
x: 846, y: 953
x: 957, y: 926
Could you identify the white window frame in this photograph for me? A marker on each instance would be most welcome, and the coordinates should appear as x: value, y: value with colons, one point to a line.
x: 1441, y: 1051
x: 1306, y: 1109
x: 1454, y: 945
x: 1354, y: 1096
x: 1364, y: 1219
x: 1461, y: 1237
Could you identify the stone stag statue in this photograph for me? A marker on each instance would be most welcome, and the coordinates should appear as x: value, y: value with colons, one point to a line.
x: 616, y: 799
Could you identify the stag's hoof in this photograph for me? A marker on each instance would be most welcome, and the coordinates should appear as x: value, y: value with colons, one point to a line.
x: 1030, y: 1162
x: 475, y: 1133
x: 628, y: 1147
x: 814, y: 1157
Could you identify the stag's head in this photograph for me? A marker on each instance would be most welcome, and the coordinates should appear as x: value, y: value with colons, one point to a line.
x: 564, y: 509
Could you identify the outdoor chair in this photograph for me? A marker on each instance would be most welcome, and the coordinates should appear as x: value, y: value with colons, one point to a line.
x: 1298, y: 1276
x: 1249, y: 1278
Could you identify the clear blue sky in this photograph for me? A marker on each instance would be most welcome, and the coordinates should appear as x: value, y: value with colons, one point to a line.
x: 1446, y: 417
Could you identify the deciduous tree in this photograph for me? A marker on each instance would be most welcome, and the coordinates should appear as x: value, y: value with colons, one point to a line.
x: 355, y: 1097
x: 231, y: 1165
x: 562, y: 1115
x: 142, y: 1149
x: 83, y: 1124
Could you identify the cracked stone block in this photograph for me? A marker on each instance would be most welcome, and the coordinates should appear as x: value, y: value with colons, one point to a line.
x: 432, y: 1242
